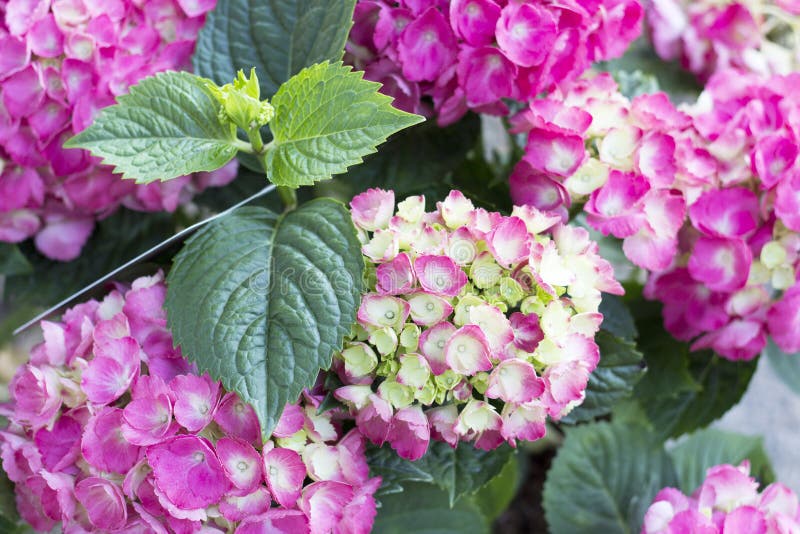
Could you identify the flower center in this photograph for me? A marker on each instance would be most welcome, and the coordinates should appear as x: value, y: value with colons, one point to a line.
x: 430, y: 307
x: 390, y: 315
x: 242, y: 466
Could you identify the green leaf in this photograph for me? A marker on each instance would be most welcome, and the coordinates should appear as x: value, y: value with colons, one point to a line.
x: 786, y: 366
x: 277, y: 37
x: 604, y: 478
x: 682, y: 390
x: 496, y: 496
x: 633, y: 84
x: 617, y: 317
x: 262, y: 301
x: 8, y: 506
x: 328, y: 118
x: 425, y: 509
x: 12, y: 261
x: 710, y: 447
x: 460, y: 471
x: 621, y: 367
x: 167, y: 126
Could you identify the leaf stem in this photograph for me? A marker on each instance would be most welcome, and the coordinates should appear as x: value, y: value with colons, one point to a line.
x: 242, y: 146
x: 288, y: 196
x: 255, y: 140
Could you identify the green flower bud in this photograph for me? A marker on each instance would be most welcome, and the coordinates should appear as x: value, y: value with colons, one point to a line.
x: 241, y: 102
x: 388, y: 367
x: 384, y: 339
x: 413, y: 371
x: 461, y: 316
x: 480, y: 382
x: 409, y: 337
x: 359, y: 359
x: 511, y: 291
x: 427, y: 394
x: 532, y: 304
x: 773, y: 254
x: 396, y: 394
x: 447, y: 380
x: 484, y: 271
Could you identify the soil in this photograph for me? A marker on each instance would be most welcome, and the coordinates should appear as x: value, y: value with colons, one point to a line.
x: 525, y: 515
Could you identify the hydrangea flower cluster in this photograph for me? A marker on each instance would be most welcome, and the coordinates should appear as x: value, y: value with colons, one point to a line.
x: 441, y: 58
x: 708, y: 36
x: 113, y: 430
x: 476, y: 326
x: 728, y: 501
x: 706, y: 199
x: 60, y: 62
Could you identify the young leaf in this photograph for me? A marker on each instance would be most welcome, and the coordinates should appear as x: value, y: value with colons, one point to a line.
x: 328, y: 118
x: 604, y: 478
x: 279, y: 38
x: 167, y: 126
x: 424, y: 509
x: 262, y: 301
x: 460, y: 471
x: 710, y: 447
x: 621, y: 367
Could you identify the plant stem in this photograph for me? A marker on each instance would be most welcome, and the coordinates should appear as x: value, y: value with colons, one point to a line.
x: 255, y: 140
x: 242, y: 146
x: 288, y: 196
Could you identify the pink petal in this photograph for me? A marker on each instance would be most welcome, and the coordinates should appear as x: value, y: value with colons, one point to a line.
x: 474, y: 21
x: 396, y: 276
x: 514, y: 381
x: 237, y: 508
x: 510, y: 242
x: 783, y: 321
x: 196, y: 400
x: 103, y: 445
x: 432, y: 345
x: 291, y: 421
x: 530, y: 187
x: 285, y: 473
x: 409, y: 433
x: 372, y: 209
x: 526, y: 33
x: 427, y: 47
x: 380, y: 311
x: 241, y: 462
x: 439, y: 275
x: 104, y: 502
x: 467, y: 351
x: 555, y: 151
x: 615, y: 208
x: 485, y: 75
x: 722, y: 264
x: 427, y: 309
x: 238, y: 419
x: 726, y: 213
x: 323, y: 503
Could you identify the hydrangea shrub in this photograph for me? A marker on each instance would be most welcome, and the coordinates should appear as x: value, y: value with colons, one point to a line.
x: 113, y: 430
x: 703, y: 197
x: 63, y: 61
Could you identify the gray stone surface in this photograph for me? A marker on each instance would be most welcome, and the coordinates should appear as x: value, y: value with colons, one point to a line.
x: 772, y: 410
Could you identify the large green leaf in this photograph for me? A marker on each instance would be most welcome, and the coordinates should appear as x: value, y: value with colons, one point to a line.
x: 425, y: 509
x: 327, y: 118
x: 617, y: 317
x: 460, y: 471
x: 496, y: 496
x: 277, y: 37
x: 262, y: 301
x: 682, y: 390
x: 604, y: 478
x: 786, y: 366
x: 621, y: 367
x: 167, y: 126
x: 710, y: 447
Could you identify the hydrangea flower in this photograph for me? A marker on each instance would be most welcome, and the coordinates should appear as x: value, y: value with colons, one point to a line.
x: 62, y: 61
x: 443, y: 58
x: 709, y: 36
x: 727, y: 501
x: 705, y: 198
x: 113, y: 430
x: 476, y: 326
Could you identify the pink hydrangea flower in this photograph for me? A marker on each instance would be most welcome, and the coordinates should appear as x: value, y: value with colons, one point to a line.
x: 474, y: 54
x: 61, y: 63
x: 98, y: 448
x: 442, y: 352
x: 728, y: 500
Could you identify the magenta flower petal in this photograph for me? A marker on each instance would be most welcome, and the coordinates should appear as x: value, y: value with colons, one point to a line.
x: 555, y: 151
x: 474, y: 21
x: 427, y: 309
x: 276, y: 521
x: 427, y: 47
x: 241, y: 462
x: 375, y: 419
x: 467, y: 351
x: 291, y: 421
x: 187, y: 471
x: 60, y: 446
x: 510, y: 242
x: 372, y: 209
x: 396, y: 276
x: 323, y: 503
x: 237, y: 508
x: 615, y: 208
x: 783, y: 321
x: 432, y: 345
x: 439, y: 275
x: 526, y: 33
x: 104, y: 502
x: 196, y: 400
x: 238, y: 419
x: 409, y: 433
x: 104, y: 446
x: 722, y: 264
x: 285, y: 473
x: 382, y: 310
x: 112, y: 372
x: 514, y: 381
